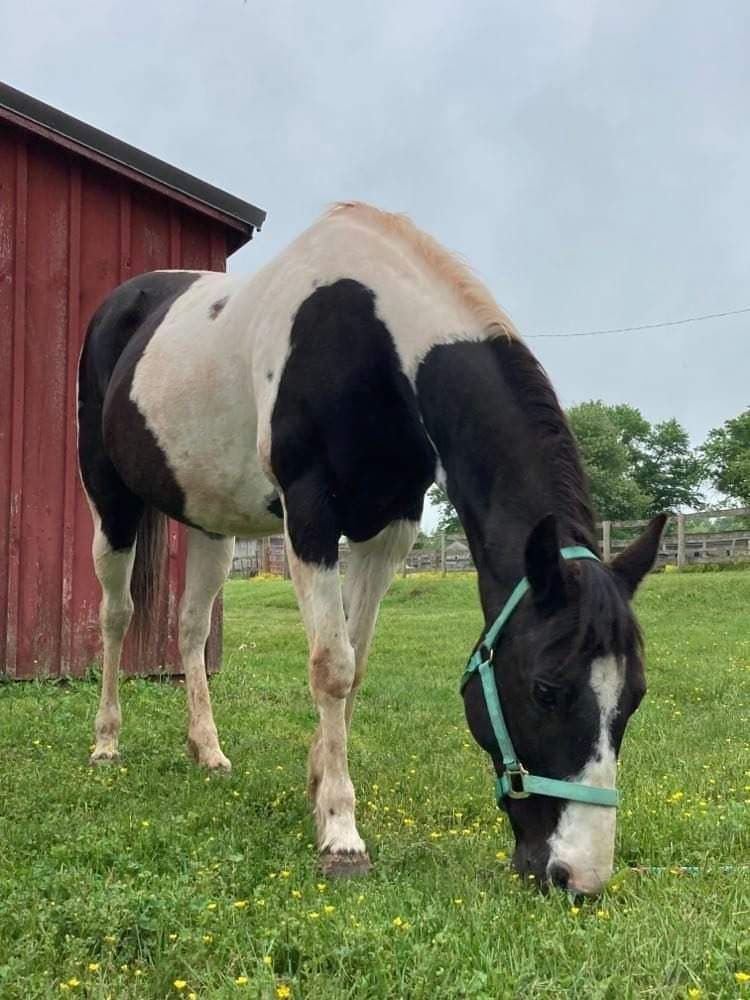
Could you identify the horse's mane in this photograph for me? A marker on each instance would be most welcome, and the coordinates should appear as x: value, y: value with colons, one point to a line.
x: 447, y: 266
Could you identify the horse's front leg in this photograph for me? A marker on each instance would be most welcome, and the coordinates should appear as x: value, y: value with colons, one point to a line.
x: 331, y: 675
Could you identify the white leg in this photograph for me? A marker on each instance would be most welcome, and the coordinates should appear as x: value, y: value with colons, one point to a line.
x: 372, y: 566
x: 338, y: 654
x: 113, y: 569
x: 208, y: 563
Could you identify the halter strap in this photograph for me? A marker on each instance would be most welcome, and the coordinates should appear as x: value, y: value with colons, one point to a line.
x: 515, y: 781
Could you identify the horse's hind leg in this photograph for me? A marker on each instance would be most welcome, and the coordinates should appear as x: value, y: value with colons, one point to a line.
x: 208, y: 563
x: 114, y: 568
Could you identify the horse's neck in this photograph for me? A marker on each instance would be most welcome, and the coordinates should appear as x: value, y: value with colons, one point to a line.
x: 507, y: 452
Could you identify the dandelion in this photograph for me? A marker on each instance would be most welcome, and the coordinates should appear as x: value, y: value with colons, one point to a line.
x: 458, y: 902
x: 603, y: 914
x: 211, y: 906
x: 501, y: 856
x: 397, y: 922
x: 296, y: 894
x: 283, y: 992
x: 322, y: 886
x: 172, y: 937
x: 328, y: 908
x: 73, y: 982
x: 124, y: 968
x: 241, y: 981
x: 313, y: 915
x: 93, y: 966
x: 208, y: 938
x: 742, y: 977
x: 435, y: 835
x: 575, y: 910
x: 110, y: 938
x: 179, y: 985
x: 145, y: 823
x: 240, y: 904
x: 267, y: 960
x: 285, y: 873
x: 694, y: 993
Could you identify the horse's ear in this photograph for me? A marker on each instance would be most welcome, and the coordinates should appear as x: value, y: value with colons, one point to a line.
x: 544, y: 567
x: 637, y: 559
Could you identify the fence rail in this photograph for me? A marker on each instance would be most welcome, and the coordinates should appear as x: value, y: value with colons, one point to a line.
x: 679, y: 546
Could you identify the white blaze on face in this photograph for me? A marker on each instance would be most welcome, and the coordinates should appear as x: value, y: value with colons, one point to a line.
x: 584, y: 840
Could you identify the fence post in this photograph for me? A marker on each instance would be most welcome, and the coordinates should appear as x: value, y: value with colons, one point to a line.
x: 607, y: 540
x: 443, y: 566
x: 265, y: 555
x: 681, y: 540
x: 287, y: 574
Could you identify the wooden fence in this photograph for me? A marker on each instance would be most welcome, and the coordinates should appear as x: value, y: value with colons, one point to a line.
x: 714, y: 540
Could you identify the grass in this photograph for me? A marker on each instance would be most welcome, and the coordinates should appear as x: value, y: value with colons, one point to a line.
x: 124, y: 882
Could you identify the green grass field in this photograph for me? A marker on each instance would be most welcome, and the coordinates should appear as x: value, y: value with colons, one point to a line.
x: 152, y: 880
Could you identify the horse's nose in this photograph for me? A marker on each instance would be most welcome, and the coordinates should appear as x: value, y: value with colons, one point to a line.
x: 559, y: 875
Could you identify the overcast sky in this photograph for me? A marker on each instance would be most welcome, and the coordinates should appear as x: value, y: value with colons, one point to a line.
x: 590, y: 160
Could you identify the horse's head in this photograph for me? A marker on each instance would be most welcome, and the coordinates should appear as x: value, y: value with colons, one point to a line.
x: 568, y: 667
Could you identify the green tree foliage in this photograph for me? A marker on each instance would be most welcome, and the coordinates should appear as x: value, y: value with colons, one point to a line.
x: 448, y: 520
x: 727, y: 454
x: 608, y: 438
x: 668, y: 470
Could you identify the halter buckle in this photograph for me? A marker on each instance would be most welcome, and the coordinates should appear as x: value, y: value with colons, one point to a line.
x: 516, y: 787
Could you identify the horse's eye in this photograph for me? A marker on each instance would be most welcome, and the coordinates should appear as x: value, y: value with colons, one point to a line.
x: 545, y: 695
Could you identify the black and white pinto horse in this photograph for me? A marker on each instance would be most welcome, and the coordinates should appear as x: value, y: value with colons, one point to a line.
x: 323, y: 396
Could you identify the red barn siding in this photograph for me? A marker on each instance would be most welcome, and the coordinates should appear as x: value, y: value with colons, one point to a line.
x: 70, y: 231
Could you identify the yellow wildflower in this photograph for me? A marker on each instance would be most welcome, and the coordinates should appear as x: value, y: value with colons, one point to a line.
x: 93, y: 966
x: 296, y: 894
x: 172, y: 937
x: 179, y: 984
x: 328, y: 908
x: 73, y: 982
x: 208, y: 938
x: 267, y: 960
x: 458, y: 902
x: 397, y: 922
x: 145, y: 823
x: 322, y: 887
x: 283, y: 992
x: 241, y: 980
x: 501, y: 856
x: 110, y: 938
x: 694, y: 993
x: 742, y: 977
x: 603, y: 914
x: 575, y: 910
x: 313, y: 915
x: 211, y: 906
x: 240, y: 904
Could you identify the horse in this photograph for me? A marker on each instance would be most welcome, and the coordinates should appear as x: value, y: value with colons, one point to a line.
x: 321, y: 397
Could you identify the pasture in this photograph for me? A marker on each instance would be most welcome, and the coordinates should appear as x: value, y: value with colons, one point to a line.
x: 151, y: 880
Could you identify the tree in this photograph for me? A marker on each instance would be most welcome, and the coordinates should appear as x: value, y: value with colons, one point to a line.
x: 727, y: 454
x: 448, y: 521
x: 667, y: 470
x: 608, y: 439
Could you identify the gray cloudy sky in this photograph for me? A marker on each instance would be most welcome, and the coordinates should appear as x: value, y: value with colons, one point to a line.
x: 590, y: 160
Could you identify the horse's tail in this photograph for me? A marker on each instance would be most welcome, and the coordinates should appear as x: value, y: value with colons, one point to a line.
x: 148, y: 568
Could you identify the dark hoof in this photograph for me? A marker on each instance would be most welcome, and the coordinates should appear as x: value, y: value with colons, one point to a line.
x: 345, y: 865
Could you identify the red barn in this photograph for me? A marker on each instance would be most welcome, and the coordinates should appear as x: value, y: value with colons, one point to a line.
x: 80, y: 212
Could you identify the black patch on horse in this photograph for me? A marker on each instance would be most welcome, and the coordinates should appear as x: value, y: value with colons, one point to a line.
x: 217, y: 306
x: 273, y: 505
x: 348, y: 446
x: 122, y: 466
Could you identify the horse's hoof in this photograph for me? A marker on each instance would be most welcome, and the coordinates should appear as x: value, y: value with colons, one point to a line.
x: 211, y: 760
x: 345, y: 865
x: 104, y: 757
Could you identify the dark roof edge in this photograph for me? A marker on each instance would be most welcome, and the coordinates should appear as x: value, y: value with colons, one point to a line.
x: 129, y: 156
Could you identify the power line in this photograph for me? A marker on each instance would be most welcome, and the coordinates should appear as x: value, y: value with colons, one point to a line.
x: 634, y: 329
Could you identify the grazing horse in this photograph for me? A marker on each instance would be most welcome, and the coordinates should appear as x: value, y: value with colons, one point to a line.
x: 323, y: 396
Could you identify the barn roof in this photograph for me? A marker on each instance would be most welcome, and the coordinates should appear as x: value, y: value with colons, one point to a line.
x: 240, y: 217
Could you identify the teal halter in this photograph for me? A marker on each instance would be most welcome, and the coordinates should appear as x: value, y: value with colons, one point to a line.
x: 515, y: 781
